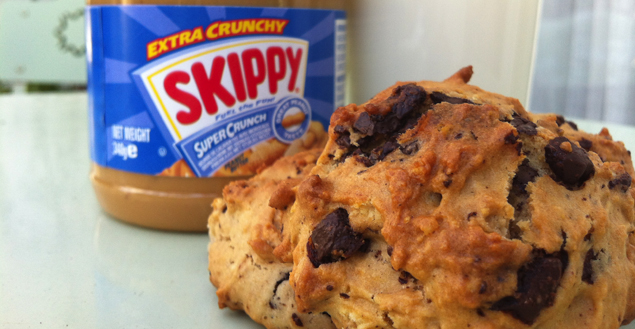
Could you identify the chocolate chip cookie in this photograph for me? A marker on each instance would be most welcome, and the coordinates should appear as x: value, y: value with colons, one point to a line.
x: 438, y: 205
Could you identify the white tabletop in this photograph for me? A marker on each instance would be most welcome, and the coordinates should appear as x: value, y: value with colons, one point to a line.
x: 65, y: 263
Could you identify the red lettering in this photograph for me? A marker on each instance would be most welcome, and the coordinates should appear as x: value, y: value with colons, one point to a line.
x: 295, y: 65
x: 184, y: 98
x: 248, y: 71
x: 252, y: 78
x: 237, y: 76
x: 275, y: 75
x: 210, y: 86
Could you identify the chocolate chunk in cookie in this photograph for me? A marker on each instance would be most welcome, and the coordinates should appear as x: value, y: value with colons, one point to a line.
x: 339, y: 129
x: 523, y: 126
x: 297, y: 320
x: 570, y: 164
x: 585, y: 144
x: 560, y: 120
x: 387, y: 125
x: 368, y: 162
x: 344, y: 140
x: 405, y: 277
x: 438, y: 97
x: 407, y: 98
x: 538, y: 282
x: 587, y: 268
x: 518, y: 197
x: 364, y: 124
x: 382, y: 151
x: 524, y: 175
x: 410, y: 148
x: 380, y: 132
x: 272, y: 303
x: 621, y: 183
x: 511, y: 138
x: 406, y: 102
x: 573, y: 125
x: 333, y: 239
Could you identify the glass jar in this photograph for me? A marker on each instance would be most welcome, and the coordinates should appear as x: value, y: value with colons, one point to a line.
x: 186, y: 96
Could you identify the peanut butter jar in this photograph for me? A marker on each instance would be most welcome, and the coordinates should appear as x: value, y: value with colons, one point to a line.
x: 186, y: 96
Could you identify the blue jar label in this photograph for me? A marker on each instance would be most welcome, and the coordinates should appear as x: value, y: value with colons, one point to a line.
x: 210, y: 91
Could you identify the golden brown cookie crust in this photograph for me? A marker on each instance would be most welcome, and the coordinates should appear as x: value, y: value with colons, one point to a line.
x: 466, y: 217
x: 459, y: 250
x: 245, y: 231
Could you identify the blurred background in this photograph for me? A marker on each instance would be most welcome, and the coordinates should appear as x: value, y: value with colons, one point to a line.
x: 585, y: 60
x: 42, y: 45
x: 573, y: 57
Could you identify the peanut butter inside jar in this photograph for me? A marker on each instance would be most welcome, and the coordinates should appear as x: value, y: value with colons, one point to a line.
x: 178, y: 199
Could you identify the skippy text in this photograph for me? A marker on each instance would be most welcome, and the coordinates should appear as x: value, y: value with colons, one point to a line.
x: 253, y: 63
x: 197, y: 87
